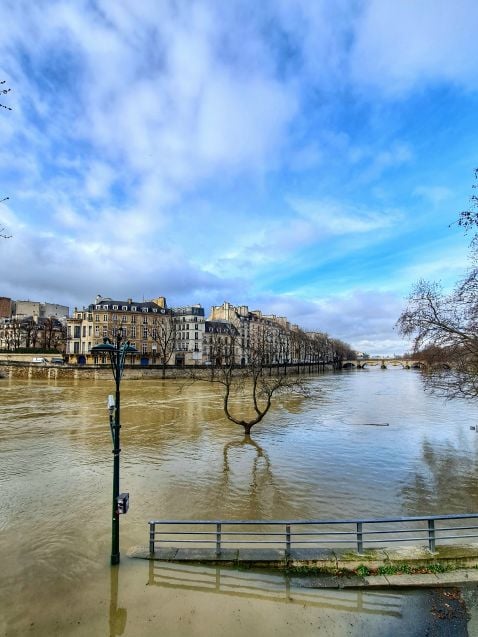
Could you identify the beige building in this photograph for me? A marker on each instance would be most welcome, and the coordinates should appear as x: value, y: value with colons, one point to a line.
x: 162, y: 335
x: 36, y: 310
x: 273, y: 334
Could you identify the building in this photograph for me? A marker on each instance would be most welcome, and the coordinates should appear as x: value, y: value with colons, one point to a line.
x: 190, y: 328
x: 36, y: 309
x: 5, y: 307
x: 162, y: 335
x: 32, y: 325
x: 271, y: 335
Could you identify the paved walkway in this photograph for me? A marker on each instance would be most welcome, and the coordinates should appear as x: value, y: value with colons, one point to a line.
x: 463, y: 559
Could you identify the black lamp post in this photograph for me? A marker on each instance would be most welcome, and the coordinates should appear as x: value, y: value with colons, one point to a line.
x: 117, y: 353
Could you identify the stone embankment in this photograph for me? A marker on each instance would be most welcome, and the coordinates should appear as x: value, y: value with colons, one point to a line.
x: 88, y: 372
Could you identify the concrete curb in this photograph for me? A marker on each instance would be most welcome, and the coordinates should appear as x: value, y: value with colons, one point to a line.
x: 456, y: 557
x: 420, y: 580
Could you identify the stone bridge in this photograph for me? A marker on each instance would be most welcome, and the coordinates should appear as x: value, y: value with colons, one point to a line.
x: 383, y: 363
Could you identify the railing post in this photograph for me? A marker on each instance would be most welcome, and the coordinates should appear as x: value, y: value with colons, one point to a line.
x: 431, y: 535
x: 151, y: 537
x: 359, y: 538
x: 287, y: 540
x: 218, y: 538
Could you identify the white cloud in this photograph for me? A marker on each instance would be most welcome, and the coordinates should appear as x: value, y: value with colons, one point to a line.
x: 335, y: 218
x: 399, y: 46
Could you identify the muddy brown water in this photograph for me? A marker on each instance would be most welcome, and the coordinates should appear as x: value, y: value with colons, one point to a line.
x: 315, y: 457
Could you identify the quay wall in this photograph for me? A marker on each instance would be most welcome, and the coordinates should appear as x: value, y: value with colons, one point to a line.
x: 28, y: 370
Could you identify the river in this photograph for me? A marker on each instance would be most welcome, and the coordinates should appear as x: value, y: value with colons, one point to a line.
x: 312, y: 457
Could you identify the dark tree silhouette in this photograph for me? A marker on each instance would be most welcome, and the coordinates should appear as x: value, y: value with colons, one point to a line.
x: 444, y: 326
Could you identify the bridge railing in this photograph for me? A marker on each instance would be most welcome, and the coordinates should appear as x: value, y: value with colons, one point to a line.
x: 292, y: 534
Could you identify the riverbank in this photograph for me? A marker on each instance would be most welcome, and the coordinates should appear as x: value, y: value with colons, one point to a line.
x: 406, y: 566
x: 25, y: 369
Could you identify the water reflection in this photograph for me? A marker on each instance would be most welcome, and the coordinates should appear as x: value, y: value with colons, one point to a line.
x: 269, y: 586
x: 118, y: 616
x: 446, y: 474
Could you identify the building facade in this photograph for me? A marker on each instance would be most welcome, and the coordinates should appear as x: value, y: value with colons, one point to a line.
x: 162, y: 335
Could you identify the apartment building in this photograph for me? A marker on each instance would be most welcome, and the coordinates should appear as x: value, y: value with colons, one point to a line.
x: 272, y: 334
x: 162, y: 335
x: 37, y: 309
x: 137, y: 320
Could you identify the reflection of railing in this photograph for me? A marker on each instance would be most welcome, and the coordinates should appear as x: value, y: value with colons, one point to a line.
x: 289, y: 534
x: 270, y: 587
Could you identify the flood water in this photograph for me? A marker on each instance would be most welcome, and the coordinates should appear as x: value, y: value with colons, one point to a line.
x: 314, y: 457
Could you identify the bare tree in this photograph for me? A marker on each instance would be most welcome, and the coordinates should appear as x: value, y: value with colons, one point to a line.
x: 164, y: 335
x: 247, y: 388
x: 444, y: 328
x: 4, y: 91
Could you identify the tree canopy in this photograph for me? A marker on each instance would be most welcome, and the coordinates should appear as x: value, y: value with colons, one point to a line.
x: 444, y: 326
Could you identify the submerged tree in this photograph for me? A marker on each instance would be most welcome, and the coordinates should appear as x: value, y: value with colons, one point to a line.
x: 249, y: 388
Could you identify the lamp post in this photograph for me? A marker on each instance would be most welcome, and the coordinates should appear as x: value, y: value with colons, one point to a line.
x: 117, y: 353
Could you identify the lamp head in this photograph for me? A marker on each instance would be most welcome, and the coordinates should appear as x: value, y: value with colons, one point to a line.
x: 106, y: 346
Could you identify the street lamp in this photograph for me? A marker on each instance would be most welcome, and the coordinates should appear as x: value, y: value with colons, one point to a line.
x: 117, y: 352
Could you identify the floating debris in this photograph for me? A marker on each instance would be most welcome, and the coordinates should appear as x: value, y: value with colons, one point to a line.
x: 371, y: 424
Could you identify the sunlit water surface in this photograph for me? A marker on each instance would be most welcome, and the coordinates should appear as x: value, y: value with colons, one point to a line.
x: 317, y: 457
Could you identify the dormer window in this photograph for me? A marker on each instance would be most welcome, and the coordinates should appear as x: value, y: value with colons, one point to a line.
x: 97, y: 307
x: 105, y: 307
x: 133, y: 308
x: 124, y: 308
x: 145, y: 309
x: 115, y: 307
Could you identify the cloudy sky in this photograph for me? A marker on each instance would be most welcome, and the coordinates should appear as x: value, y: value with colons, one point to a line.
x: 304, y: 158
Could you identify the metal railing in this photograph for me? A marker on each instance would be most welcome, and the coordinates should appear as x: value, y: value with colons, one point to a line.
x: 292, y: 534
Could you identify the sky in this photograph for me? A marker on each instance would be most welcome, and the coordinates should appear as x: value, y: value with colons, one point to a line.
x: 309, y: 159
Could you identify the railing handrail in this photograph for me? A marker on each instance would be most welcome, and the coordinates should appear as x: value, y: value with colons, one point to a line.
x: 361, y: 534
x: 421, y: 518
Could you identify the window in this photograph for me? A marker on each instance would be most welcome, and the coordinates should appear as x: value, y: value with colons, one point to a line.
x: 133, y: 308
x: 145, y: 332
x: 105, y: 307
x: 105, y: 331
x: 97, y: 330
x: 77, y: 333
x: 97, y: 307
x: 144, y: 348
x: 115, y: 307
x: 124, y: 318
x: 105, y: 317
x: 84, y: 331
x: 79, y: 315
x: 124, y: 308
x: 133, y: 319
x: 76, y: 348
x: 97, y: 317
x: 196, y: 336
x: 154, y: 333
x: 154, y: 309
x: 145, y: 320
x: 145, y: 309
x: 133, y: 331
x: 115, y: 317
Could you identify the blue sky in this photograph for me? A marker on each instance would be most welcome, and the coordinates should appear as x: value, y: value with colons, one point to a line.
x: 304, y: 158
